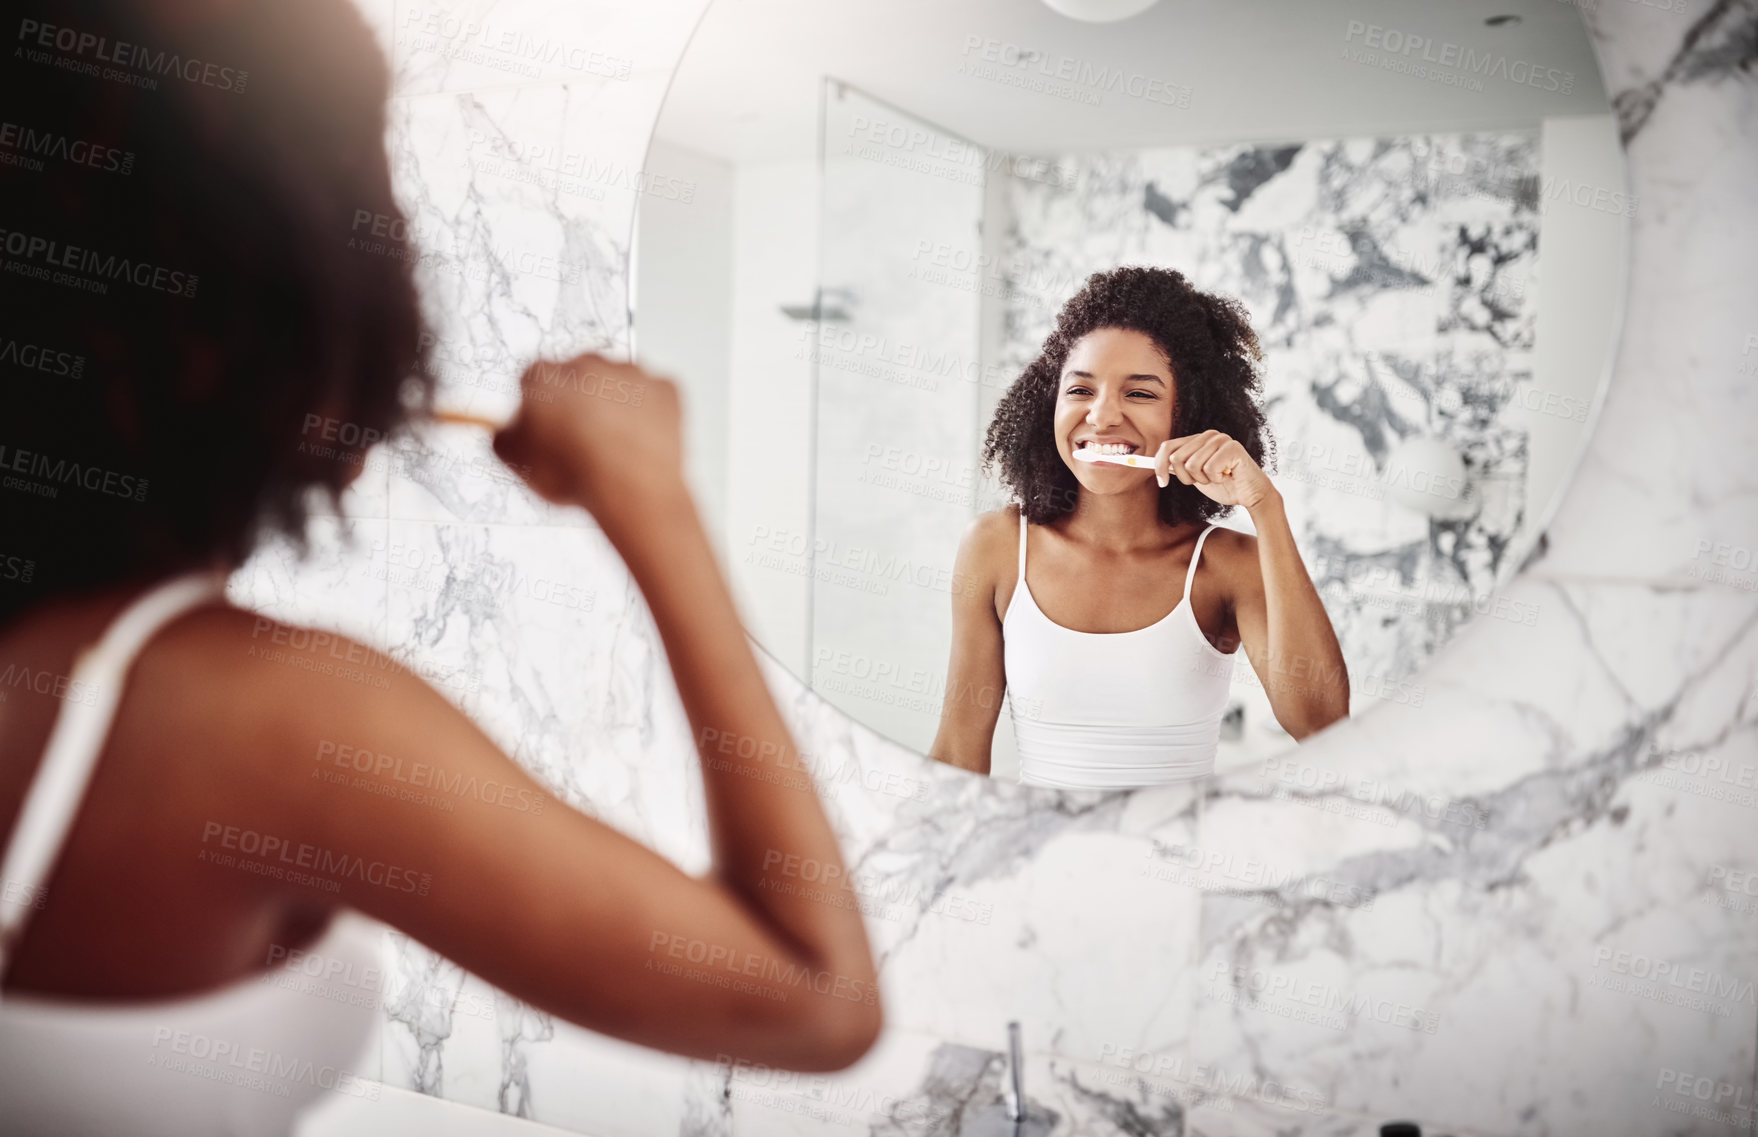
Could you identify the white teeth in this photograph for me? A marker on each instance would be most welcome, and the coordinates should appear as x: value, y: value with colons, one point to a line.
x: 1110, y: 447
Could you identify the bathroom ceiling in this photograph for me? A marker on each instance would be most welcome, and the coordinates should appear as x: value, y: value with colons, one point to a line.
x: 1243, y: 70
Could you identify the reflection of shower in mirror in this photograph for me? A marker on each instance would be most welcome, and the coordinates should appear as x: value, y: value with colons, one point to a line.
x: 821, y: 312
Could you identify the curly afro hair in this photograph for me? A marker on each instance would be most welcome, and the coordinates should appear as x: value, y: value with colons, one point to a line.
x: 171, y: 427
x: 1213, y: 352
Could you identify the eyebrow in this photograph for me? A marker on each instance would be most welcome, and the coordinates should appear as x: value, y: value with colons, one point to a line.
x: 1089, y: 375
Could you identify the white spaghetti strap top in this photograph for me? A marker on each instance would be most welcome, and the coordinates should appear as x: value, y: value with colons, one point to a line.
x: 1112, y: 710
x: 244, y: 1059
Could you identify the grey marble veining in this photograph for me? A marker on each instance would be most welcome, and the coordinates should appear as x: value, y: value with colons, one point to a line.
x: 1719, y: 45
x: 1451, y: 911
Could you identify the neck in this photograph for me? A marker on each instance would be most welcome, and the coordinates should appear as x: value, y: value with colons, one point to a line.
x: 1117, y: 522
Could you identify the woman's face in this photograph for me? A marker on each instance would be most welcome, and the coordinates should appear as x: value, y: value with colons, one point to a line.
x: 1116, y: 389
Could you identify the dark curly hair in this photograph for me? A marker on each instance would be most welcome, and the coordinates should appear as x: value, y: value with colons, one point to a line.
x: 1213, y: 353
x: 207, y: 304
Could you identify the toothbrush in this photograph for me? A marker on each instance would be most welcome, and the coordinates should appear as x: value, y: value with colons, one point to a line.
x: 464, y: 418
x: 1139, y: 461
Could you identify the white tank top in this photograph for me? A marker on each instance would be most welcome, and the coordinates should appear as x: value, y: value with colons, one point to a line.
x: 1112, y: 710
x: 243, y: 1059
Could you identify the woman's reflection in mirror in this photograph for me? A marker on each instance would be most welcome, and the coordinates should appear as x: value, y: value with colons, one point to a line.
x: 1082, y: 598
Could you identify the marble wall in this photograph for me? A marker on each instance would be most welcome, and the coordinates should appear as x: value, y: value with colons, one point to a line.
x: 1522, y: 907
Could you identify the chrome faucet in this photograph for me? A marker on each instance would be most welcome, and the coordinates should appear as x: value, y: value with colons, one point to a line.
x: 1014, y: 1091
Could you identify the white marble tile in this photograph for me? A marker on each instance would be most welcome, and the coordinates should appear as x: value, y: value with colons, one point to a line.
x: 520, y: 202
x: 442, y: 1034
x: 914, y: 1084
x: 1482, y: 986
x: 330, y: 584
x: 582, y: 1082
x: 1294, y: 1117
x: 1666, y: 490
x: 541, y: 636
x: 908, y: 1083
x: 469, y: 45
x: 958, y: 873
x: 1049, y: 946
x: 396, y: 1112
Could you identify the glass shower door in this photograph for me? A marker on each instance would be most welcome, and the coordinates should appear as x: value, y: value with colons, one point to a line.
x: 896, y: 427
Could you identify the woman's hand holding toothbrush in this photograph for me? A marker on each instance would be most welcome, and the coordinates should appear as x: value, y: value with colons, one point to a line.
x: 1216, y: 464
x: 600, y: 434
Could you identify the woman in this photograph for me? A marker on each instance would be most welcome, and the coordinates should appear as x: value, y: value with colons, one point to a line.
x: 1117, y: 655
x: 203, y: 290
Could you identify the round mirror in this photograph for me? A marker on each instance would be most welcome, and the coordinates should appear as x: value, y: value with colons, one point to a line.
x: 914, y: 255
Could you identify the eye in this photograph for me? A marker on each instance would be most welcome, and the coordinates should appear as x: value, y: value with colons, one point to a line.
x: 1077, y: 391
x: 1144, y: 391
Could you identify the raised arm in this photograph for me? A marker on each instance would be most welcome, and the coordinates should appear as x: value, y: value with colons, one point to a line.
x: 1285, y: 631
x: 975, y: 675
x: 764, y: 958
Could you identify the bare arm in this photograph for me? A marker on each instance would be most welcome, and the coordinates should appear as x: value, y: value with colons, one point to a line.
x: 551, y: 905
x: 975, y: 675
x: 1283, y: 626
x: 1286, y: 632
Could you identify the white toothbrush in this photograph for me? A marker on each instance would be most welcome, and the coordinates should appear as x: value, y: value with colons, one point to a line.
x: 1139, y: 461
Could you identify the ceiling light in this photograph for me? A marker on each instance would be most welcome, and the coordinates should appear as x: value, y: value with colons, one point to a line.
x: 1101, y: 11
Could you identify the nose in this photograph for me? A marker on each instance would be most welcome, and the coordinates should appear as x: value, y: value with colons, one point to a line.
x: 1105, y: 410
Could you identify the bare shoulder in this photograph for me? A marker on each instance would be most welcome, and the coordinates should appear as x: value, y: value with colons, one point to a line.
x: 225, y: 682
x: 233, y: 734
x: 235, y: 651
x: 996, y: 528
x: 991, y: 540
x: 304, y: 738
x: 1229, y: 544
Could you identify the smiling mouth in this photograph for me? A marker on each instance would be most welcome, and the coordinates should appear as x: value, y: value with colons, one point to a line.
x: 1106, y: 447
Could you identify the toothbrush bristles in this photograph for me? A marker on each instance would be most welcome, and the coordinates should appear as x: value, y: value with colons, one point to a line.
x: 465, y: 418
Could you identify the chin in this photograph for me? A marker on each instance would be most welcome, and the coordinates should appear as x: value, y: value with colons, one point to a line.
x: 1104, y: 484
